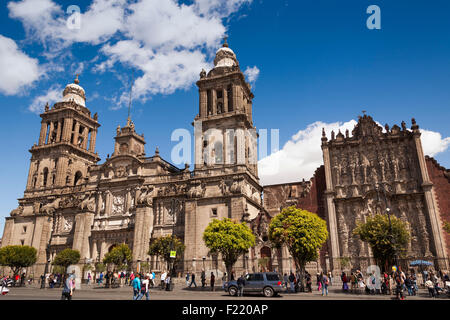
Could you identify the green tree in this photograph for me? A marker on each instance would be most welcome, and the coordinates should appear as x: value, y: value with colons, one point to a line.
x: 162, y: 246
x: 447, y: 226
x: 385, y: 241
x: 120, y: 256
x: 230, y: 239
x: 17, y: 257
x: 66, y: 258
x: 303, y: 233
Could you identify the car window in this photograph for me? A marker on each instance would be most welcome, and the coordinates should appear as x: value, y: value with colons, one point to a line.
x: 272, y: 277
x: 255, y: 277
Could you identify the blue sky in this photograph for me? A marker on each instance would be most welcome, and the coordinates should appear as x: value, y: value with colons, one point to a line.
x: 317, y: 62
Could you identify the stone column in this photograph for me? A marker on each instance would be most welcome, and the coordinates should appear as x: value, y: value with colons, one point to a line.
x: 93, y: 139
x: 85, y: 138
x: 191, y: 237
x: 41, y: 237
x: 58, y: 132
x: 240, y: 146
x: 432, y: 208
x: 198, y: 136
x: 203, y: 103
x: 43, y: 133
x: 52, y: 127
x: 8, y: 232
x: 236, y: 102
x: 94, y: 250
x: 99, y: 203
x: 214, y: 101
x: 30, y: 174
x: 76, y: 133
x: 68, y: 123
x: 225, y: 100
x: 61, y: 171
x: 142, y: 231
x: 108, y: 203
x: 330, y: 209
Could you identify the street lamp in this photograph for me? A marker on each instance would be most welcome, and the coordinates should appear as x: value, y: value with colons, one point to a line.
x: 388, y: 211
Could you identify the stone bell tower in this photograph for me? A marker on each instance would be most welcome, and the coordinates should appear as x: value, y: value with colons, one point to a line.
x: 66, y: 144
x: 224, y: 131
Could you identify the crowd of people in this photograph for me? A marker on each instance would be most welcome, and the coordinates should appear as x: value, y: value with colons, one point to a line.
x: 396, y: 283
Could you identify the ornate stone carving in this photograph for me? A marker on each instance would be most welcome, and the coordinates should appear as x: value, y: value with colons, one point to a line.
x: 118, y: 204
x: 51, y: 207
x: 68, y: 223
x: 88, y: 203
x: 17, y: 212
x: 146, y: 196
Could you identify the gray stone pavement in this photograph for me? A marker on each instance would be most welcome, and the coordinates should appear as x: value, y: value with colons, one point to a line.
x: 93, y: 292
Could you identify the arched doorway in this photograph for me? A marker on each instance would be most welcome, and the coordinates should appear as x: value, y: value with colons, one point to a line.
x: 265, y: 261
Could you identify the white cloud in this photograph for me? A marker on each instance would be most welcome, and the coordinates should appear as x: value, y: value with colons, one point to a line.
x: 167, y: 40
x: 433, y: 143
x: 252, y: 74
x: 302, y: 154
x: 52, y: 95
x: 17, y: 69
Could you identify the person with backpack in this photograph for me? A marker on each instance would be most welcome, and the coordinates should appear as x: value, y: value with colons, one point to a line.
x: 136, y: 284
x: 292, y: 282
x: 68, y: 286
x: 145, y: 289
x: 325, y: 282
x: 308, y: 282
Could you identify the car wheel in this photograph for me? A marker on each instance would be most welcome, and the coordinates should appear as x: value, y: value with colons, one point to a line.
x: 232, y: 291
x: 268, y: 292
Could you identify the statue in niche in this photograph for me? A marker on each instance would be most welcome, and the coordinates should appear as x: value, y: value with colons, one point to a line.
x: 395, y: 167
x: 423, y: 228
x: 338, y: 170
x: 365, y: 165
x: 343, y: 231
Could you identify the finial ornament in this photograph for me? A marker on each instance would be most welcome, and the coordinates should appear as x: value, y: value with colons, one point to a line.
x: 76, y: 81
x: 47, y: 106
x: 225, y: 44
x: 157, y: 151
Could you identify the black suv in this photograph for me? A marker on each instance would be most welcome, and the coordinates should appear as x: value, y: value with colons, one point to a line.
x: 267, y: 283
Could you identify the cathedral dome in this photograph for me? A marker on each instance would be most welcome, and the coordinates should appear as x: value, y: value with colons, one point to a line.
x: 225, y: 57
x: 74, y: 92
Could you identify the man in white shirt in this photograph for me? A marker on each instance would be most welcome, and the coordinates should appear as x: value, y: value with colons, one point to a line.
x: 163, y: 279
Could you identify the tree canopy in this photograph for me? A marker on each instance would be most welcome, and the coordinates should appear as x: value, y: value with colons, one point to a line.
x: 66, y: 258
x: 385, y: 241
x: 230, y: 239
x: 162, y: 246
x: 17, y: 257
x: 120, y: 256
x: 303, y: 232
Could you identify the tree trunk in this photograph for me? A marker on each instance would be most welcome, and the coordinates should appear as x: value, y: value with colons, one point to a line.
x: 229, y: 268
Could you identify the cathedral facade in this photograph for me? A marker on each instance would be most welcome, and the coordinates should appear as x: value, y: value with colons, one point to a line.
x: 72, y: 201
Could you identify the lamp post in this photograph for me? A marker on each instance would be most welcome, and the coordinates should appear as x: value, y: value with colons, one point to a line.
x: 388, y: 212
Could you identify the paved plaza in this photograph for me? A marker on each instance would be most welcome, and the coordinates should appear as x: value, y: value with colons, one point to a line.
x: 180, y: 292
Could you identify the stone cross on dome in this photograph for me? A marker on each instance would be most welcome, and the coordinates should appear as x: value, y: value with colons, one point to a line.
x: 76, y: 81
x: 225, y: 44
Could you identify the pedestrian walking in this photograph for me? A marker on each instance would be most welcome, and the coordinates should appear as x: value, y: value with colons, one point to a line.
x: 163, y: 280
x: 136, y: 284
x: 308, y: 282
x: 203, y: 278
x: 42, y: 281
x: 292, y: 282
x: 187, y: 279
x: 212, y: 281
x: 344, y: 280
x: 241, y: 285
x: 145, y: 288
x: 330, y: 278
x: 89, y: 278
x: 325, y: 282
x: 68, y: 287
x: 167, y: 282
x: 319, y: 281
x: 193, y: 280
